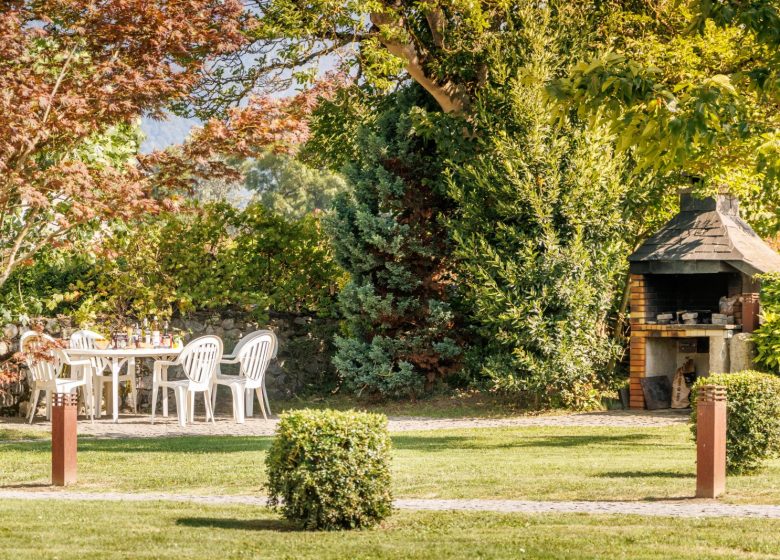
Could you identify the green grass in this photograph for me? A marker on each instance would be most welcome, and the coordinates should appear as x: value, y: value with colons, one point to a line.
x: 455, y: 404
x: 535, y: 463
x: 106, y: 530
x: 9, y: 434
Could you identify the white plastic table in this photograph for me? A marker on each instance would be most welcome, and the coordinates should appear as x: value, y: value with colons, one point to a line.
x: 118, y: 358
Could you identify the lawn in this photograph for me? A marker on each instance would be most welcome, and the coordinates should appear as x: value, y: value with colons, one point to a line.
x: 535, y: 463
x: 450, y: 404
x: 110, y: 530
x: 10, y: 434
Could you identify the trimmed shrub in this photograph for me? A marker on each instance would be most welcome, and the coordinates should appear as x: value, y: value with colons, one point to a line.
x: 329, y: 469
x: 753, y: 422
x: 767, y: 336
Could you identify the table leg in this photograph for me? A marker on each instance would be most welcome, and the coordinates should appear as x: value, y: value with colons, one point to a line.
x: 133, y: 389
x: 164, y: 375
x: 116, y: 365
x: 107, y: 399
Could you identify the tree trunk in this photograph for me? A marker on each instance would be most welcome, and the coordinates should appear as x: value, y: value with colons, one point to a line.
x: 451, y: 97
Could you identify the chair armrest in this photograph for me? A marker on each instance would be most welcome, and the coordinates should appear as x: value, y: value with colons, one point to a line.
x: 79, y: 363
x: 159, y: 365
x: 229, y: 360
x: 79, y: 369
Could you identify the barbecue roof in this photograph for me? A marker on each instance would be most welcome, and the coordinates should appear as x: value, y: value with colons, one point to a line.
x: 707, y: 235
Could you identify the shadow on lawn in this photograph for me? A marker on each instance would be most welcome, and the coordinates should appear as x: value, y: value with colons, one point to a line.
x: 185, y: 444
x: 241, y: 524
x: 645, y: 474
x: 446, y: 443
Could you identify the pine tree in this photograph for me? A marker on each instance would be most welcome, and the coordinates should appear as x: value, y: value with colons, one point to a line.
x: 388, y: 234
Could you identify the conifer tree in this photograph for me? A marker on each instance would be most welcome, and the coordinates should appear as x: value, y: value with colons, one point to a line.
x: 388, y: 234
x: 541, y: 232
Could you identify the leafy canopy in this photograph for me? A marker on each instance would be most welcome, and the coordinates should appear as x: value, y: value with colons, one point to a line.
x: 75, y: 76
x: 689, y: 86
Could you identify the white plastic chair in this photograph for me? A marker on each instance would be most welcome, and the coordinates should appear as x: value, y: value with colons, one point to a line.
x: 45, y: 372
x: 253, y: 353
x: 85, y: 340
x: 245, y: 340
x: 199, y: 361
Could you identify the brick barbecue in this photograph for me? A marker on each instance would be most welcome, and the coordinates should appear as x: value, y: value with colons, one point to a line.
x: 692, y: 287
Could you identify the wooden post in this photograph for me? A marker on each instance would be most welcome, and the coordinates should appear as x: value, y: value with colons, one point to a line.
x: 711, y: 441
x: 63, y: 439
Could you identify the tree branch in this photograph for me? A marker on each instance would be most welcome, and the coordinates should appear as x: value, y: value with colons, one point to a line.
x: 451, y: 97
x: 58, y: 83
x: 10, y: 258
x: 435, y: 18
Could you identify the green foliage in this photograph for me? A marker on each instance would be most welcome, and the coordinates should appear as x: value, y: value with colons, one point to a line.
x: 542, y: 226
x: 330, y: 469
x: 115, y: 147
x: 291, y: 188
x: 214, y: 256
x: 388, y: 234
x: 702, y: 102
x: 767, y: 336
x: 45, y: 285
x: 753, y: 418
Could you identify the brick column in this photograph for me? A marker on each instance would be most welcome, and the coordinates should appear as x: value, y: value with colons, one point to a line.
x: 637, y: 354
x: 749, y: 312
x: 636, y: 348
x: 63, y: 439
x: 711, y: 442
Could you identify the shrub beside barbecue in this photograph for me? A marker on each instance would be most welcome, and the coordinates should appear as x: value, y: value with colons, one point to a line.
x: 330, y: 469
x: 753, y: 418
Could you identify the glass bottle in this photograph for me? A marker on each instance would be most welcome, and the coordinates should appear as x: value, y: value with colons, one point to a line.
x: 156, y: 340
x: 147, y: 334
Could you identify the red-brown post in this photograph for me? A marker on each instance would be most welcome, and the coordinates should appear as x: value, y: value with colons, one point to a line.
x: 63, y: 439
x: 711, y: 441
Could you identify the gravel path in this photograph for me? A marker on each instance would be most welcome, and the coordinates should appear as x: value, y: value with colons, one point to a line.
x: 691, y: 508
x: 135, y: 426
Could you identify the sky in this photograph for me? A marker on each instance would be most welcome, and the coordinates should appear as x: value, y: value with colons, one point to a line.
x: 161, y: 134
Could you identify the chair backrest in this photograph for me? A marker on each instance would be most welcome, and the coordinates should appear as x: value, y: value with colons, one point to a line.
x: 85, y: 340
x: 44, y: 359
x: 200, y: 358
x: 250, y: 336
x: 255, y: 355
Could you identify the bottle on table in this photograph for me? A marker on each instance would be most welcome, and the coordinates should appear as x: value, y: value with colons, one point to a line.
x: 156, y: 339
x: 166, y: 337
x: 147, y: 333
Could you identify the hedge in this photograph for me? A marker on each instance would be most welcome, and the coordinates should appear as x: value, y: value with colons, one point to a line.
x: 753, y: 418
x: 330, y: 469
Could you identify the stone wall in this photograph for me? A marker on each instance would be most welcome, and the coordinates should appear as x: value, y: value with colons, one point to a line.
x: 743, y: 352
x: 303, y: 363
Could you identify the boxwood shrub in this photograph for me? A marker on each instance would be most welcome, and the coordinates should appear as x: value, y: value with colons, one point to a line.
x: 330, y: 469
x: 753, y: 418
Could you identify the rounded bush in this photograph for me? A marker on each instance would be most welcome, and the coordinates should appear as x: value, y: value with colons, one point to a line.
x: 753, y: 418
x: 329, y: 469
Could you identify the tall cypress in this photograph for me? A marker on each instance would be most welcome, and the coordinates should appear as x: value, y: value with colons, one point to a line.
x: 388, y: 234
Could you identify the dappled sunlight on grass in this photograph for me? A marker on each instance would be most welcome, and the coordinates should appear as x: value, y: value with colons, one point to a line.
x: 535, y: 463
x: 183, y: 531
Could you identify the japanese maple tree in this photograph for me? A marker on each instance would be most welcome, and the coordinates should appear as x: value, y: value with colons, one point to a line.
x: 74, y: 74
